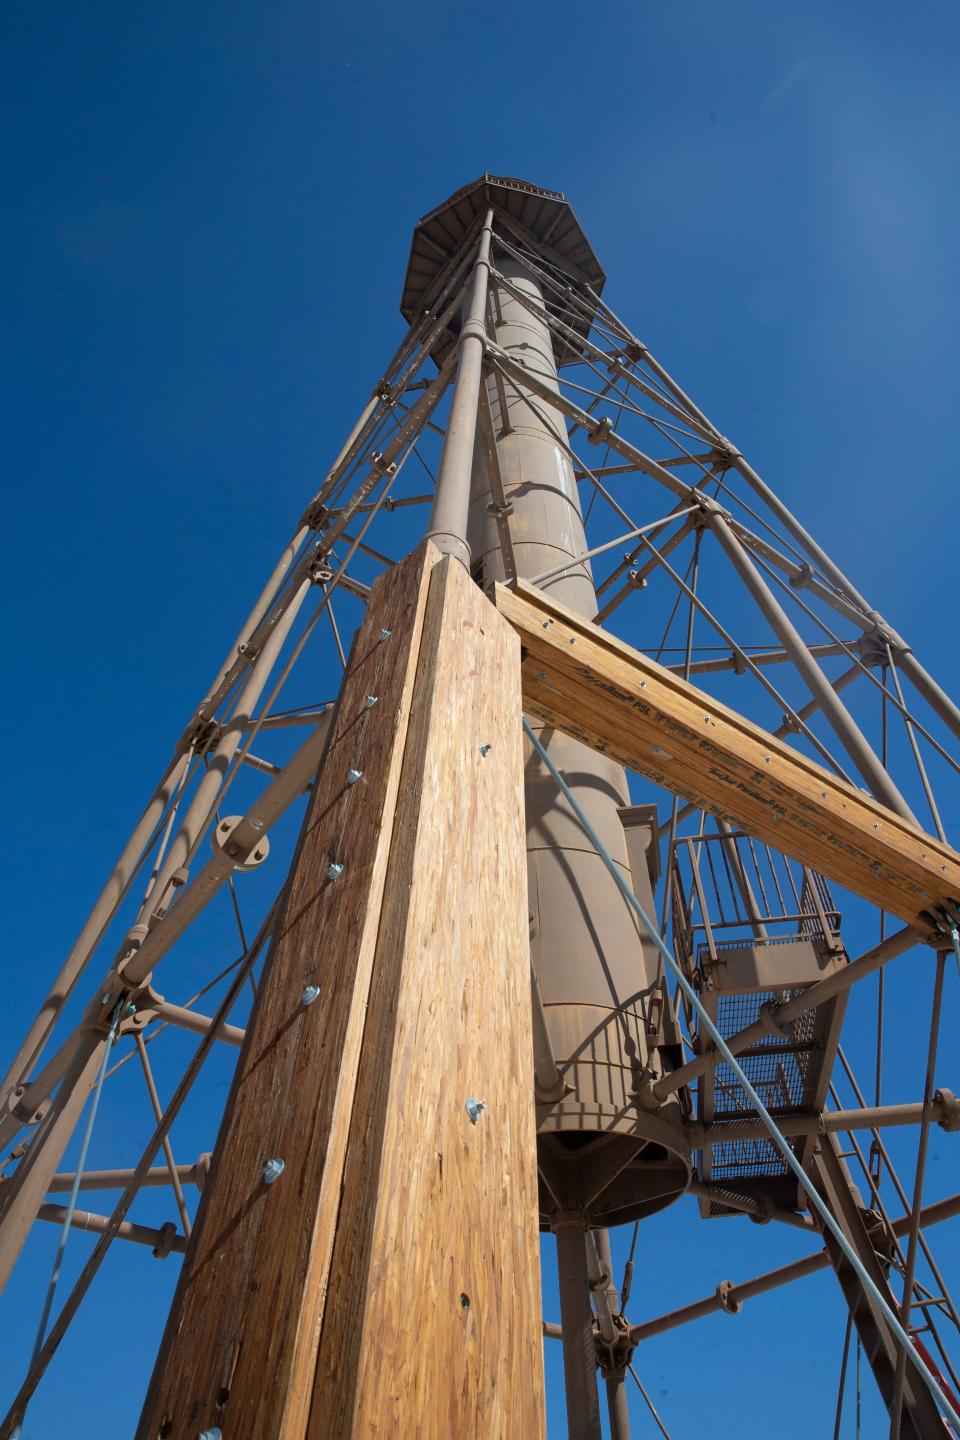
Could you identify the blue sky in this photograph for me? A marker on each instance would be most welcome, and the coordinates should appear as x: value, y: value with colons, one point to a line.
x: 208, y: 210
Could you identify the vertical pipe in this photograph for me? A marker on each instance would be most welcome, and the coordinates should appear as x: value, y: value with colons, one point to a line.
x: 576, y: 1320
x: 839, y: 717
x: 613, y: 1378
x: 32, y: 1178
x: 617, y: 1410
x: 451, y: 504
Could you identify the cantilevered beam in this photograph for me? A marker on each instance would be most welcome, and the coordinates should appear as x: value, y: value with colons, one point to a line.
x: 615, y: 699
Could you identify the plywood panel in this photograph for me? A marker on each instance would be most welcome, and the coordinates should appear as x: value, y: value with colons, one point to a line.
x: 240, y: 1346
x: 616, y: 700
x: 431, y: 1327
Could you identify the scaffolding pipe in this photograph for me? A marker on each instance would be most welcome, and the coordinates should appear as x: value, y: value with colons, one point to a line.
x: 451, y: 506
x: 730, y: 1297
x: 162, y: 1242
x: 576, y: 1319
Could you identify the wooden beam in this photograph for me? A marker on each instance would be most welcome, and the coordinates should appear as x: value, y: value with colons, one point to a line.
x: 391, y: 1204
x: 615, y: 699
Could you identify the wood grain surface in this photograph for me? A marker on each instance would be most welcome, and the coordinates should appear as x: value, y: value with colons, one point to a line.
x: 387, y: 1284
x: 240, y: 1344
x: 613, y: 698
x: 431, y: 1327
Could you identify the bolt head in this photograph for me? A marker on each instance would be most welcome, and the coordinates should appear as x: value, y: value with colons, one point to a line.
x: 474, y: 1108
x: 310, y: 994
x: 485, y: 748
x: 385, y: 634
x: 272, y: 1170
x: 334, y: 870
x: 353, y: 776
x: 105, y: 998
x: 369, y: 701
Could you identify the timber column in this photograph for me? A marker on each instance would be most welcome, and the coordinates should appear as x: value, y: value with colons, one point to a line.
x: 386, y: 1282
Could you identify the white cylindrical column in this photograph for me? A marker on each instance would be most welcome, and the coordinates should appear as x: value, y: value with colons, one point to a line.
x: 593, y: 968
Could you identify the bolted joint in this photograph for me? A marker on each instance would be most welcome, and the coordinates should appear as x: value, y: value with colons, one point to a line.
x: 727, y: 449
x: 167, y: 1236
x: 802, y: 580
x: 729, y: 1303
x: 222, y: 841
x: 601, y: 431
x: 202, y: 734
x: 316, y: 516
x: 499, y: 512
x: 474, y: 1108
x: 381, y: 464
x: 768, y: 1019
x: 644, y: 1093
x: 319, y: 572
x: 762, y: 1213
x: 949, y: 1107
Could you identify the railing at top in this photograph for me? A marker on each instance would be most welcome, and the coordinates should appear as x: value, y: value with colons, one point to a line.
x: 727, y: 887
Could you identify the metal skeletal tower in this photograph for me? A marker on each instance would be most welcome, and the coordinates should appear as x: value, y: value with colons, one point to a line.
x: 466, y: 1025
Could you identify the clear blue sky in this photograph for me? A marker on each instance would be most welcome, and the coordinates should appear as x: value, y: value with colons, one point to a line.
x: 208, y: 209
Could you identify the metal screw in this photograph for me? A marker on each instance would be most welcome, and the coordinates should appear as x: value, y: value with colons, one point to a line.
x: 541, y: 674
x: 385, y: 634
x: 353, y: 776
x: 213, y: 1434
x: 643, y: 684
x: 369, y: 701
x: 334, y: 870
x: 546, y: 623
x: 132, y: 1008
x: 105, y: 997
x: 474, y: 1108
x: 485, y: 748
x: 766, y: 759
x: 310, y: 994
x: 272, y: 1170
